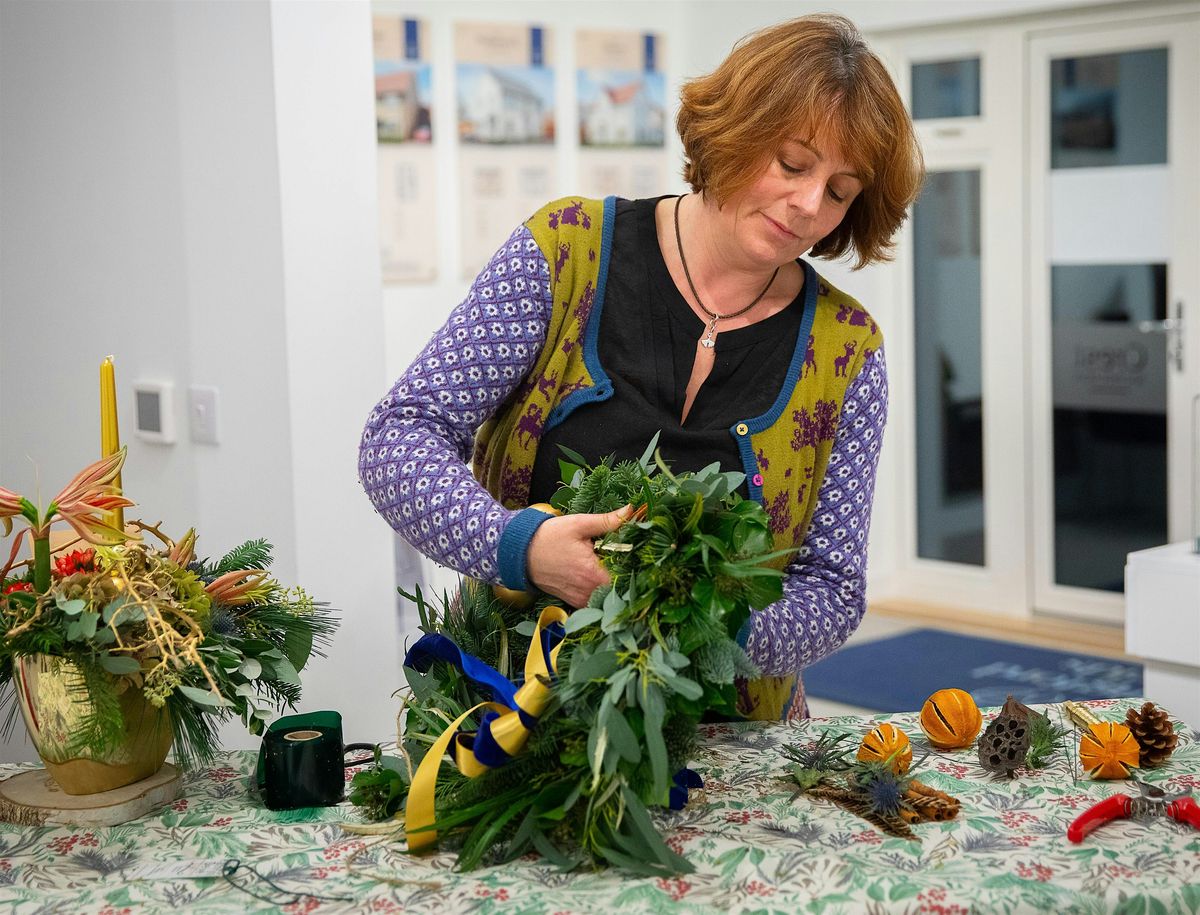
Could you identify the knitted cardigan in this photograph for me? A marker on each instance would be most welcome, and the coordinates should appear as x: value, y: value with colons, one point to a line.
x: 784, y: 451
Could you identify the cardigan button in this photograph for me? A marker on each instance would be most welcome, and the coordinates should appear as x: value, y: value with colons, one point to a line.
x: 757, y: 479
x: 742, y: 429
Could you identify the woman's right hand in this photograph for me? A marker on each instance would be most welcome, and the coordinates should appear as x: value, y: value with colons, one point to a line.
x: 562, y: 560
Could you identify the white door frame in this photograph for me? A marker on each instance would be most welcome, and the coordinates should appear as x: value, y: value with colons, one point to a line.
x: 1181, y: 35
x: 990, y: 143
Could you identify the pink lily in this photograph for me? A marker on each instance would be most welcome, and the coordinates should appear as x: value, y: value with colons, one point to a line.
x: 234, y: 588
x: 84, y: 504
x: 184, y: 550
x: 10, y: 507
x: 87, y: 500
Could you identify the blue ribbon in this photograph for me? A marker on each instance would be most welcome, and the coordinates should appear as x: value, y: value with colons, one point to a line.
x: 435, y: 647
x: 684, y: 779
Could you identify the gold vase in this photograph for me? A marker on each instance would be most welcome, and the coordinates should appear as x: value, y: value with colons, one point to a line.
x: 54, y: 702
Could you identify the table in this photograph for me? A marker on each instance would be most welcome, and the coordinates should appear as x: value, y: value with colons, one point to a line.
x: 754, y: 847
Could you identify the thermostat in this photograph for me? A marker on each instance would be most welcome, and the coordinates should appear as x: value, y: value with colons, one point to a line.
x: 154, y: 403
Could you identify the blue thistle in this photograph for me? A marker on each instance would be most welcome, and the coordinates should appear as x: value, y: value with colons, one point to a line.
x: 224, y: 622
x: 883, y: 792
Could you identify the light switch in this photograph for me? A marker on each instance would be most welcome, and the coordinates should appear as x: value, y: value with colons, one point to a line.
x: 202, y: 414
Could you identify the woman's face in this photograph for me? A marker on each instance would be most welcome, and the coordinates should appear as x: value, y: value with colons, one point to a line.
x: 800, y: 197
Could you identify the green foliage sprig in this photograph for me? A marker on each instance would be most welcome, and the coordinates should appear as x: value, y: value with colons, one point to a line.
x: 1045, y: 739
x: 641, y: 663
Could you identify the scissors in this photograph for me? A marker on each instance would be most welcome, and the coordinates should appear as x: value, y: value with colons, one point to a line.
x: 1151, y: 802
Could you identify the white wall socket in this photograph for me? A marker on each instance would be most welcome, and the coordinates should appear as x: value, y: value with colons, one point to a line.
x: 202, y: 414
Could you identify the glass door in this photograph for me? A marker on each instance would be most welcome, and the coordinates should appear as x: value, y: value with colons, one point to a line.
x: 1114, y: 244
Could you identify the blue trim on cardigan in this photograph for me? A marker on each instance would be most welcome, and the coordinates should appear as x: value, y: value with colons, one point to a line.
x: 513, y: 549
x: 766, y: 420
x: 602, y: 389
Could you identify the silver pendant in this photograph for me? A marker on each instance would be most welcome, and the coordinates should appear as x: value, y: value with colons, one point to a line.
x: 709, y: 336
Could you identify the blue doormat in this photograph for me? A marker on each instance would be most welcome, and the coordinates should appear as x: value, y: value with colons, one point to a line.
x: 898, y: 674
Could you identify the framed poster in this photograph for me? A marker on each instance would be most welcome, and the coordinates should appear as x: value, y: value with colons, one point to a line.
x: 622, y: 124
x: 404, y: 131
x: 506, y: 130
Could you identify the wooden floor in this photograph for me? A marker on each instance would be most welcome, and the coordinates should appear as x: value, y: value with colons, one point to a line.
x: 1046, y: 631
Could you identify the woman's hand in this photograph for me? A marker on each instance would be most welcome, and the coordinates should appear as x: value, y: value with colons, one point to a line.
x: 561, y: 559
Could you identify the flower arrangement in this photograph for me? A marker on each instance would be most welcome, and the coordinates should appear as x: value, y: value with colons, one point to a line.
x: 202, y: 640
x: 571, y: 761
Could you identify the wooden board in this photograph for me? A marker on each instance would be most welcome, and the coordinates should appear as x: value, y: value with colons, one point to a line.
x: 33, y: 798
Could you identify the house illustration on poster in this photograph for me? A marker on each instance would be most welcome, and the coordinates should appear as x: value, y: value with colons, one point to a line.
x: 499, y: 108
x: 401, y: 104
x: 623, y: 115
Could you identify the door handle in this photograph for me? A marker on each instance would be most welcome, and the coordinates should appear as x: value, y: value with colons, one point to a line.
x: 1173, y: 328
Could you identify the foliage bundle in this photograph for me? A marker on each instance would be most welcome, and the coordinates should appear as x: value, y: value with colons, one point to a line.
x: 640, y: 664
x: 206, y: 640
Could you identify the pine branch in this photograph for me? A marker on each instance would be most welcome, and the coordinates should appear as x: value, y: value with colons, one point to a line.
x: 253, y: 554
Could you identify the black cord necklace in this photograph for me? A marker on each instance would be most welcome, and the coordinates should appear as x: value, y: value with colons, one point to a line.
x: 709, y: 339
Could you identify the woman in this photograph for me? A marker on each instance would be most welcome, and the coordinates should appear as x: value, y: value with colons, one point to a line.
x: 599, y: 323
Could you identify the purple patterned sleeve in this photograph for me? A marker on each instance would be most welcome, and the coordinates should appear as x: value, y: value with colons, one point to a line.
x: 413, y: 454
x: 824, y: 593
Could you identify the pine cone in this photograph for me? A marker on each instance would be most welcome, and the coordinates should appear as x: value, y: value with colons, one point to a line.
x: 1153, y: 731
x: 931, y: 804
x: 1003, y: 746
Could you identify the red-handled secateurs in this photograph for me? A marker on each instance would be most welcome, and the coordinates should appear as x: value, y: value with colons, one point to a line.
x: 1152, y: 802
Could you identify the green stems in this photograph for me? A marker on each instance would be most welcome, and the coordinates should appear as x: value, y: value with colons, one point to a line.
x: 41, y: 565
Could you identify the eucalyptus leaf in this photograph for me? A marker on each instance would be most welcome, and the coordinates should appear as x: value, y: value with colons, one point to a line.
x: 250, y: 669
x: 119, y: 664
x: 526, y: 628
x: 598, y: 666
x: 204, y: 697
x: 622, y: 737
x: 87, y: 623
x: 70, y: 607
x: 285, y: 672
x: 580, y: 619
x: 689, y: 689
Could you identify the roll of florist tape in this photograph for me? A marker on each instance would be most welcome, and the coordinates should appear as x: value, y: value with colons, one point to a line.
x: 300, y: 762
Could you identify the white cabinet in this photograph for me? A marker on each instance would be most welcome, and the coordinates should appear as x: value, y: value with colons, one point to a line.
x: 1162, y: 625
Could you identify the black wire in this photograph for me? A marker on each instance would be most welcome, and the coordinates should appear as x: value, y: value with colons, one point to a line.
x: 369, y: 747
x: 233, y: 865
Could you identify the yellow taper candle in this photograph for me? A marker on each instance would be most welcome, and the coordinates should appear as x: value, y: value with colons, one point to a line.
x: 110, y: 436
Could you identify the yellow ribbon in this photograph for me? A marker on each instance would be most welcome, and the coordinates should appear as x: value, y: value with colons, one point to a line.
x: 509, y: 731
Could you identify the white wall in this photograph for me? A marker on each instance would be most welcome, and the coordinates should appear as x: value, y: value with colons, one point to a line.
x: 190, y: 187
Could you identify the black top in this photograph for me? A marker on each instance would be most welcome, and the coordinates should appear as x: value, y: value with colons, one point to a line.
x: 647, y: 345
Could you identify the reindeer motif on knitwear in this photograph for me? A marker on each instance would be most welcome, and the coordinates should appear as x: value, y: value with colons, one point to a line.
x: 812, y: 429
x: 586, y: 299
x: 810, y: 357
x: 763, y: 463
x: 856, y: 317
x: 573, y: 215
x: 560, y: 260
x: 779, y: 514
x: 842, y: 363
x: 529, y: 426
x: 546, y: 384
x: 514, y: 485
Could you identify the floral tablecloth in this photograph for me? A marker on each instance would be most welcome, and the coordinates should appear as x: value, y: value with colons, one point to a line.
x: 755, y: 847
